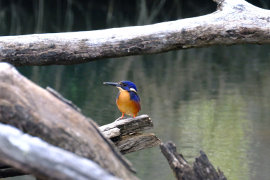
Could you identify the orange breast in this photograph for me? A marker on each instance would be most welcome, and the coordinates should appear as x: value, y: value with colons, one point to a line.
x: 126, y: 105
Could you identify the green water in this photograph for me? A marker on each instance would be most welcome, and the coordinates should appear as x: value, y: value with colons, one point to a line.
x: 212, y: 99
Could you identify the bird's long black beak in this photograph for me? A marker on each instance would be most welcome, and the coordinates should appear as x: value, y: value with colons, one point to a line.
x: 111, y: 84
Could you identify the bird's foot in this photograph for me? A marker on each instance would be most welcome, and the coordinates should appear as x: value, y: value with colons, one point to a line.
x: 122, y: 117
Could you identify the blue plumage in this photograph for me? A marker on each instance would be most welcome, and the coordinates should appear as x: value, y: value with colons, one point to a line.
x: 127, y: 100
x: 134, y: 96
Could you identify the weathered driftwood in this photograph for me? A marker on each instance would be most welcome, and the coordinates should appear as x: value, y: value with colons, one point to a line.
x: 136, y: 142
x: 234, y: 22
x: 44, y: 161
x: 127, y: 126
x: 39, y: 113
x: 127, y: 133
x: 201, y: 169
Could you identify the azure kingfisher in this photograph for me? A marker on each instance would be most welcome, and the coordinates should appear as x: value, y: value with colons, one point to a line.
x: 127, y: 100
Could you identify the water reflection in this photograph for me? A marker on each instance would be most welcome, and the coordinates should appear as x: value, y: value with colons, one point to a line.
x: 214, y: 99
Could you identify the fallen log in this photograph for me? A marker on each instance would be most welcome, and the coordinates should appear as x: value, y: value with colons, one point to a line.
x: 39, y: 113
x: 234, y: 22
x: 201, y: 169
x: 44, y: 161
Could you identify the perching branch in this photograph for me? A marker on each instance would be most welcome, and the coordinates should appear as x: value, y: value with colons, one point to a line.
x: 126, y: 126
x: 235, y: 22
x: 127, y: 134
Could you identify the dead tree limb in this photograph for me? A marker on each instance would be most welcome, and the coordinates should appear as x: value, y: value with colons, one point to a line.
x: 201, y: 169
x: 127, y: 126
x: 234, y: 22
x: 127, y: 134
x: 136, y: 142
x: 39, y: 113
x: 44, y: 161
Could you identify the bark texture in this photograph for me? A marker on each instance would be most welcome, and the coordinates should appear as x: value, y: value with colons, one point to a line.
x: 234, y: 22
x: 201, y: 169
x: 44, y: 161
x: 127, y: 134
x: 39, y: 113
x: 136, y: 142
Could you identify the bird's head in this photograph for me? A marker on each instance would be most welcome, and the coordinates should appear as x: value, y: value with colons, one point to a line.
x: 123, y: 85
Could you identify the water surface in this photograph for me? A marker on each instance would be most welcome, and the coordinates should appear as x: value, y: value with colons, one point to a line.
x: 212, y: 99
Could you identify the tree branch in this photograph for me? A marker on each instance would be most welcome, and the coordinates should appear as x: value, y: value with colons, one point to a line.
x: 235, y: 22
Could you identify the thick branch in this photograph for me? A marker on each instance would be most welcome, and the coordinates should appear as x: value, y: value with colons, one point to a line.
x: 127, y: 126
x: 45, y: 161
x: 235, y: 22
x: 39, y: 113
x: 136, y: 142
x: 201, y: 169
x: 127, y: 133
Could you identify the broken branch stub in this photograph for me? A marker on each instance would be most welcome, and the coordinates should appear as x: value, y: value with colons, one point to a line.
x: 127, y: 134
x: 201, y: 169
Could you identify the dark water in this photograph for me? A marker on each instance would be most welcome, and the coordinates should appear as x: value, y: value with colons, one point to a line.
x: 214, y: 99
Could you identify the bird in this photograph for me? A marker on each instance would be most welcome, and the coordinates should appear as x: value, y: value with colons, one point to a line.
x: 127, y: 100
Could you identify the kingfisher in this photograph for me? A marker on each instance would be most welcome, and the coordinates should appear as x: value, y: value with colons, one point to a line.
x: 127, y: 100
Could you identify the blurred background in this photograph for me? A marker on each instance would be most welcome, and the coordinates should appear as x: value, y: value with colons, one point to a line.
x: 213, y: 99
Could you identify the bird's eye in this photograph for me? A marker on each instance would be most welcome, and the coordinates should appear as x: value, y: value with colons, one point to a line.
x: 124, y: 85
